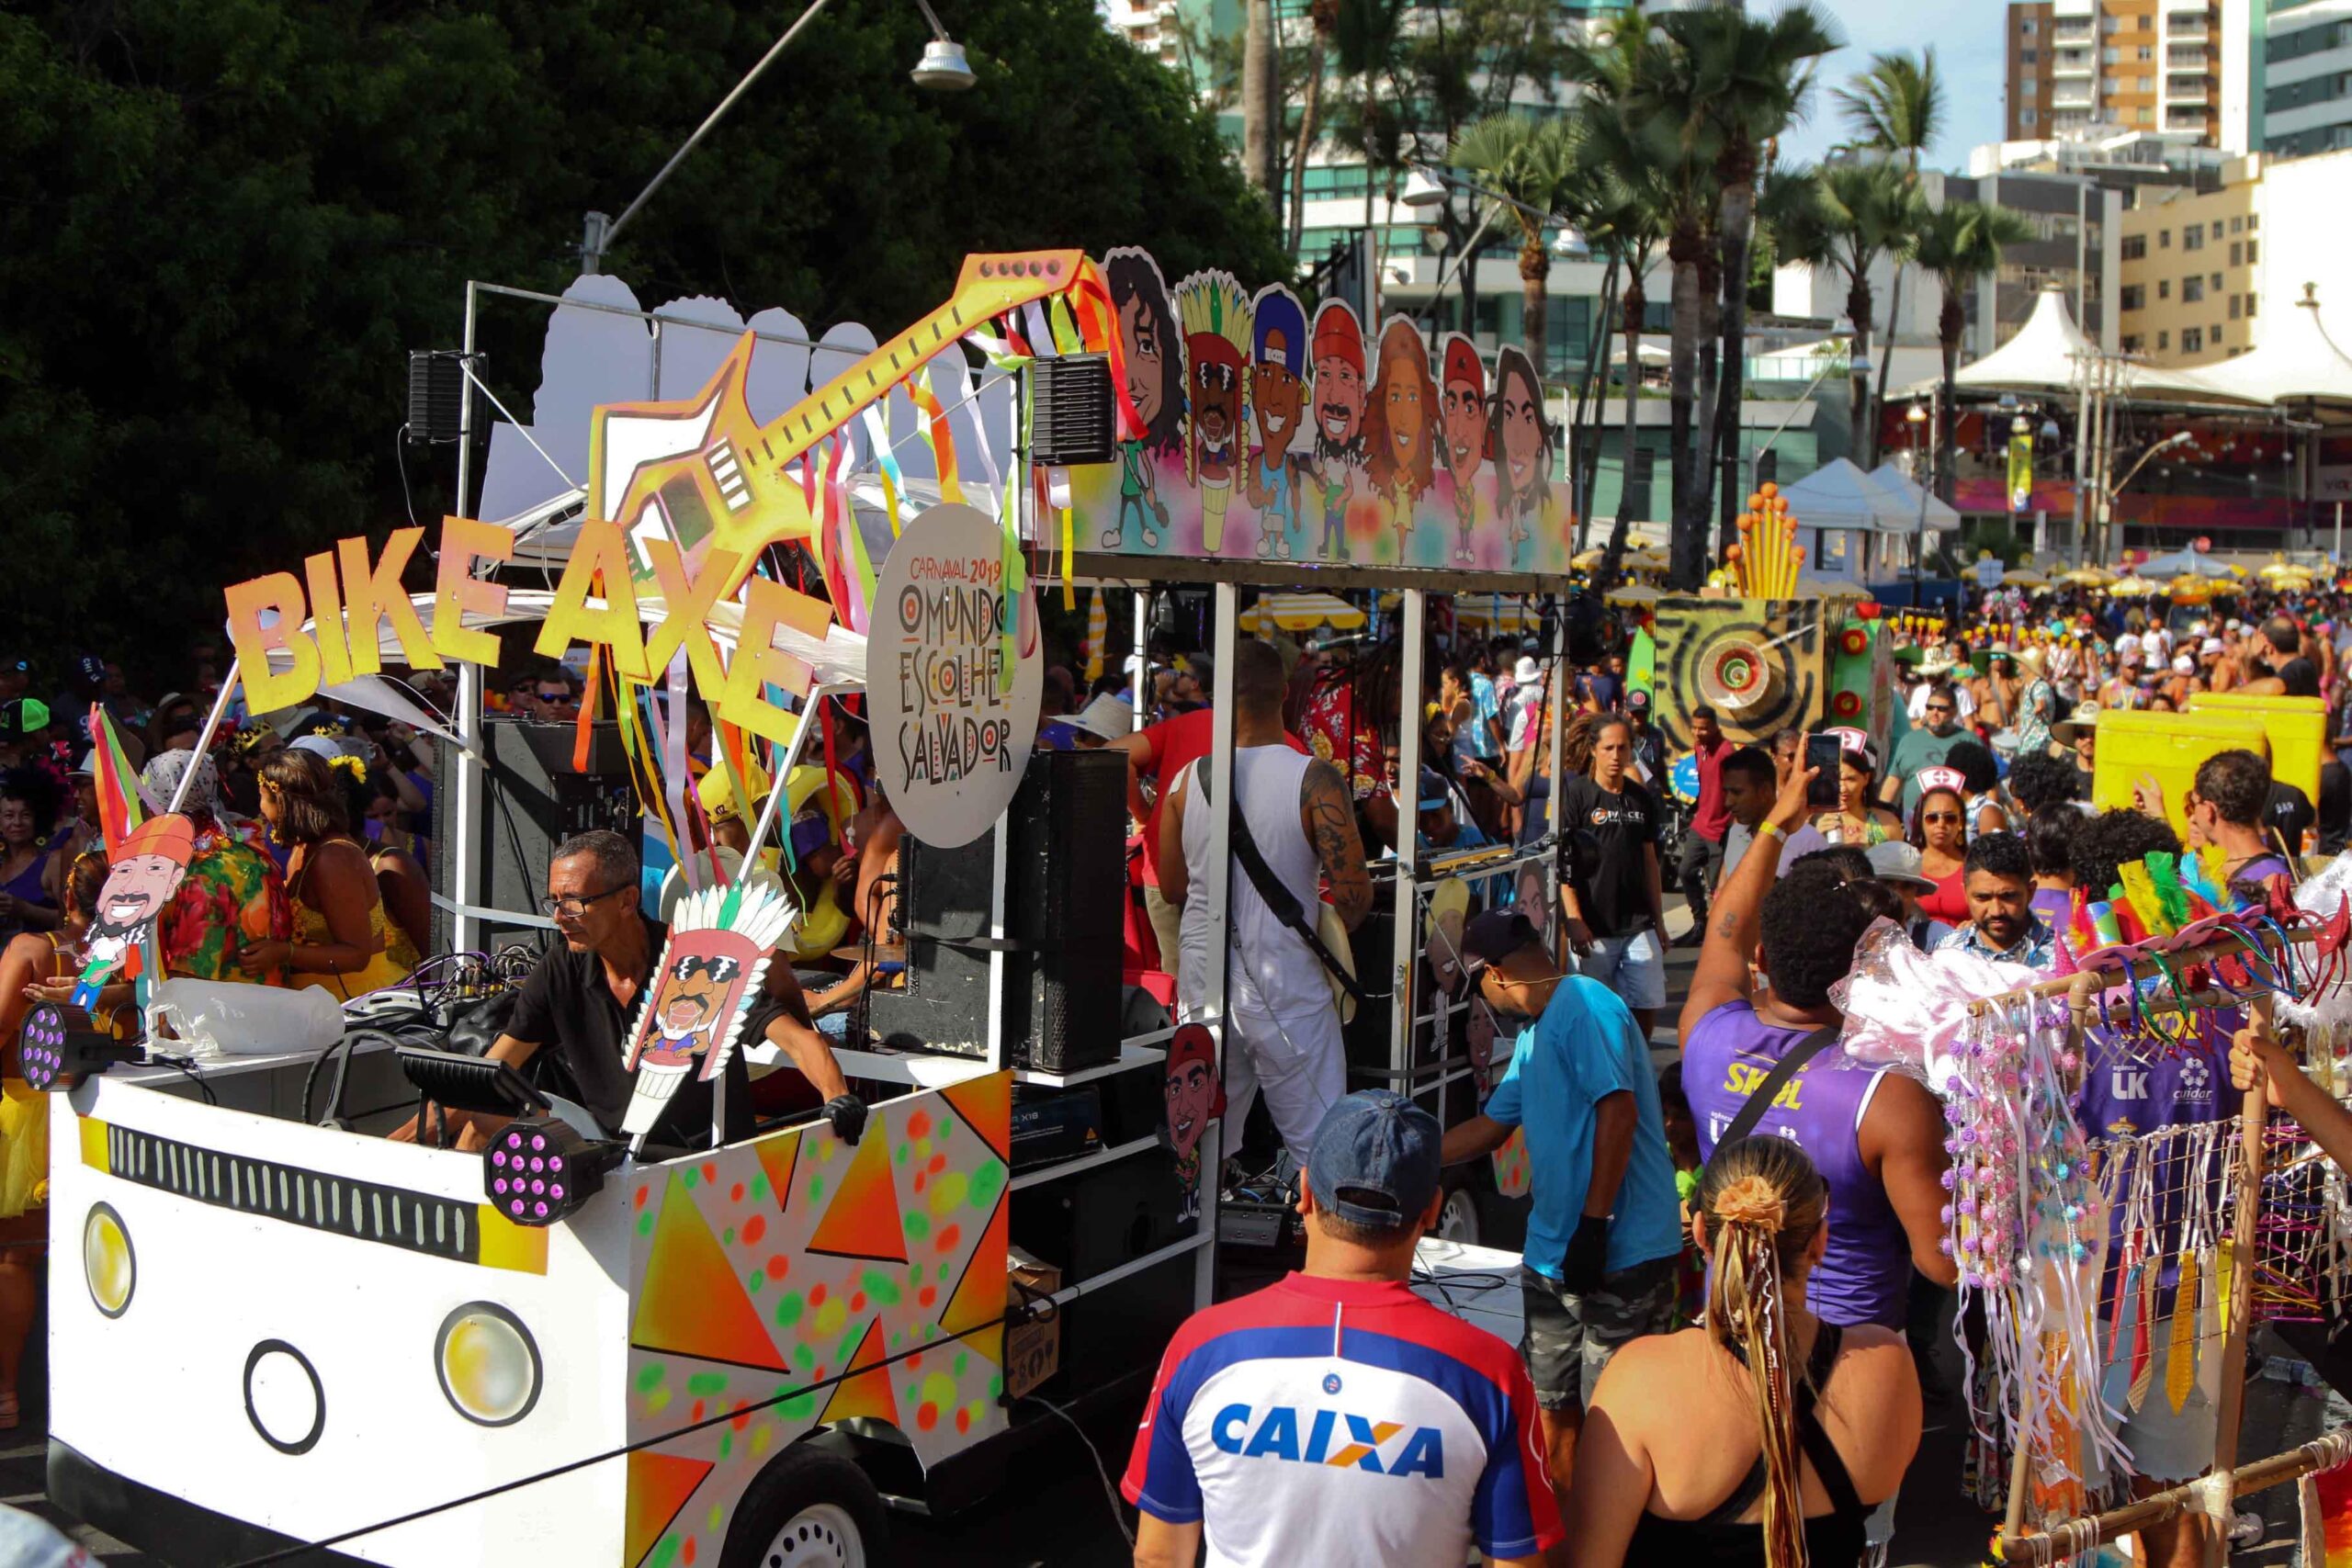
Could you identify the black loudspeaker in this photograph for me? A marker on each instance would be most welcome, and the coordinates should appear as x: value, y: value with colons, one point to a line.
x: 1074, y: 422
x: 1064, y: 883
x: 1118, y: 1213
x: 436, y: 396
x: 534, y: 800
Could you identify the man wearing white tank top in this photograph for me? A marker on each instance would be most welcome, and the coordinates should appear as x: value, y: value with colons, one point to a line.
x: 1278, y: 997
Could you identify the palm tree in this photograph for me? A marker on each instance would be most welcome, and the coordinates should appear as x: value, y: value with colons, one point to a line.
x: 1959, y: 243
x: 1626, y: 202
x: 1866, y: 212
x: 1747, y: 79
x: 1895, y: 107
x: 1262, y: 107
x: 1323, y: 19
x: 1534, y: 164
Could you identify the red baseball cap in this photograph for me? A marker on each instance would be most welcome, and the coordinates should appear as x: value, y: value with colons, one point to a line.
x: 1337, y: 336
x: 1463, y: 364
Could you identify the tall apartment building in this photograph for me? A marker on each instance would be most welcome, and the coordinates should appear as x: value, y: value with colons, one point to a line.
x: 2192, y: 267
x: 2027, y: 101
x: 2286, y: 88
x: 2077, y: 66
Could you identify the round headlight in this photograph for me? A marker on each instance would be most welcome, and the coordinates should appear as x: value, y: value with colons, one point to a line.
x: 487, y: 1364
x: 107, y: 1260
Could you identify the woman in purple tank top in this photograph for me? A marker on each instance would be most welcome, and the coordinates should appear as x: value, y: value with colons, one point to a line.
x: 1876, y: 1137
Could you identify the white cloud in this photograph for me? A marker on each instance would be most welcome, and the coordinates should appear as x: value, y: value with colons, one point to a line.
x: 1968, y: 39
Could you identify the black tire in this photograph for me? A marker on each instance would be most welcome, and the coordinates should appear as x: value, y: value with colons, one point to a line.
x: 804, y: 1477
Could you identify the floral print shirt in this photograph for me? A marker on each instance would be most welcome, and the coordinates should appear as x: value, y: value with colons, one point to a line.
x: 232, y: 896
x: 1334, y: 735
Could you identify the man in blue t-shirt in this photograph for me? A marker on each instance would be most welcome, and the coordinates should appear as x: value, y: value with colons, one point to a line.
x: 1606, y: 1228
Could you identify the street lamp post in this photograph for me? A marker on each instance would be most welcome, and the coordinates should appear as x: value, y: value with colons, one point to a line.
x: 1919, y: 419
x: 943, y: 69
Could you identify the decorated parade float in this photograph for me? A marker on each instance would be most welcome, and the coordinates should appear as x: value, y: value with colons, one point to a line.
x: 584, y: 1345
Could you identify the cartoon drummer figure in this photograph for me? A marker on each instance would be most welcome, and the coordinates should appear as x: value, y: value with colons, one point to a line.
x: 1216, y: 340
x: 1464, y: 399
x: 147, y: 870
x: 1339, y: 404
x: 1400, y: 431
x: 1195, y: 1097
x: 1277, y: 389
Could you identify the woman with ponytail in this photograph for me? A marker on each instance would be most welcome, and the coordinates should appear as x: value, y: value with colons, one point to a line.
x: 1764, y: 1438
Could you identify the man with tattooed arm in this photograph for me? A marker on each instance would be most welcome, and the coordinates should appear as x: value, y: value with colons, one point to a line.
x: 1278, y: 999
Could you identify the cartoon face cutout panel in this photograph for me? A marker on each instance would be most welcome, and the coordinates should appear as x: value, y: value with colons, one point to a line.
x: 1194, y: 1094
x: 1340, y: 390
x: 1278, y: 368
x: 147, y: 870
x: 703, y: 983
x: 1152, y: 342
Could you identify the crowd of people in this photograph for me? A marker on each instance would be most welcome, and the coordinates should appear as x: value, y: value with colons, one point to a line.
x: 1736, y: 1250
x: 1771, y: 1413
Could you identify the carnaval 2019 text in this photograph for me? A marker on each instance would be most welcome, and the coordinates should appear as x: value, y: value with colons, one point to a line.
x: 596, y: 602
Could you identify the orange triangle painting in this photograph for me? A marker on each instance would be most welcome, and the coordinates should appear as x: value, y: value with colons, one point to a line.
x: 865, y: 1390
x: 778, y: 1157
x: 658, y: 1485
x: 980, y: 1294
x: 862, y: 1219
x: 690, y: 1302
x: 986, y: 1103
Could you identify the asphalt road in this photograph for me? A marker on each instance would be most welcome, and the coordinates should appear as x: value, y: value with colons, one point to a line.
x: 1059, y: 1513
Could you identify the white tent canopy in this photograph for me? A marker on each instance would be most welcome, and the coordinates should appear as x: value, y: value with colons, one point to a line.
x: 2183, y: 563
x: 2295, y: 362
x: 1839, y: 495
x: 2048, y: 354
x: 1942, y: 517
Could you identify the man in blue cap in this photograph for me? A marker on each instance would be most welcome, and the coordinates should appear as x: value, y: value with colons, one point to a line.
x: 1606, y: 1228
x: 1336, y: 1416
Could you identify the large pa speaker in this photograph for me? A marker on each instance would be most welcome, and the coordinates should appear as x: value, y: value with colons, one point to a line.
x: 1065, y: 878
x: 534, y: 801
x: 436, y: 397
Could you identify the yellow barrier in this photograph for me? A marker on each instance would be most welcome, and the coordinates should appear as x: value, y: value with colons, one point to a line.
x: 2168, y: 746
x: 2297, y: 728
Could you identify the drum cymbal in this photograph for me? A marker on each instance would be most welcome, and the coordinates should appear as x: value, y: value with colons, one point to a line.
x: 854, y: 953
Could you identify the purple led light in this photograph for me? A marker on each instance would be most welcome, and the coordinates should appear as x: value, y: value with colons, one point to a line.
x: 538, y: 1140
x: 538, y: 1164
x: 539, y: 1186
x: 555, y: 1191
x: 555, y: 1162
x: 541, y: 1210
x: 499, y: 1185
x: 498, y: 1156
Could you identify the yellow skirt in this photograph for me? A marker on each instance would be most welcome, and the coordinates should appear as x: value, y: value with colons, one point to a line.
x: 24, y: 1148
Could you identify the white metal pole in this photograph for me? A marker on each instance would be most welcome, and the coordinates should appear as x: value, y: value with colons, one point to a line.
x: 1143, y: 663
x: 1408, y: 784
x: 1226, y: 604
x: 468, y: 802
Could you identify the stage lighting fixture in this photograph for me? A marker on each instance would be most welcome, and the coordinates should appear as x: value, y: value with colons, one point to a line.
x: 57, y: 1045
x: 540, y: 1169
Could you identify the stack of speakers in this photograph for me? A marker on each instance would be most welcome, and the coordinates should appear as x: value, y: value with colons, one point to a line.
x: 534, y: 801
x: 1064, y: 918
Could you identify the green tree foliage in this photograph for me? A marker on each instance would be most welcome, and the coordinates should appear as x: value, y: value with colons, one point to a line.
x: 222, y: 225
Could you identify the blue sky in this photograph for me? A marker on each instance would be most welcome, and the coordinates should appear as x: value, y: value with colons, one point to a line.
x: 1967, y: 36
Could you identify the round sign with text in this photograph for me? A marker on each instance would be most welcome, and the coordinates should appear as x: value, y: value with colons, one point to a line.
x: 952, y: 674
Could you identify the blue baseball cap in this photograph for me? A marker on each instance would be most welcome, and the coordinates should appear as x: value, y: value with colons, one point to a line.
x: 1374, y: 1161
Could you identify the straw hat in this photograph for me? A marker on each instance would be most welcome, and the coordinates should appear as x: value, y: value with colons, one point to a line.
x: 2084, y: 717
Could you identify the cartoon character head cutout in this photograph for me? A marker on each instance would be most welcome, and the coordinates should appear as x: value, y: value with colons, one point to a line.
x: 1400, y: 428
x: 1521, y: 440
x: 1152, y: 343
x: 1195, y: 1096
x: 1277, y: 368
x: 1340, y: 394
x: 147, y: 870
x: 703, y: 974
x: 1216, y: 342
x: 1464, y: 399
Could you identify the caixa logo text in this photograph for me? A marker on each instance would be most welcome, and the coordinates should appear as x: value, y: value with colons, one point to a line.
x: 1329, y: 1437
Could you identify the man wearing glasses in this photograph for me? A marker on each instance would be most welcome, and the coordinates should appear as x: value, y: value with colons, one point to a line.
x: 581, y: 998
x: 1923, y: 748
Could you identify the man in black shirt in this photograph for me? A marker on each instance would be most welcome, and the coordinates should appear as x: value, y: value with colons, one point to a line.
x: 1611, y: 901
x: 581, y: 998
x: 2276, y: 665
